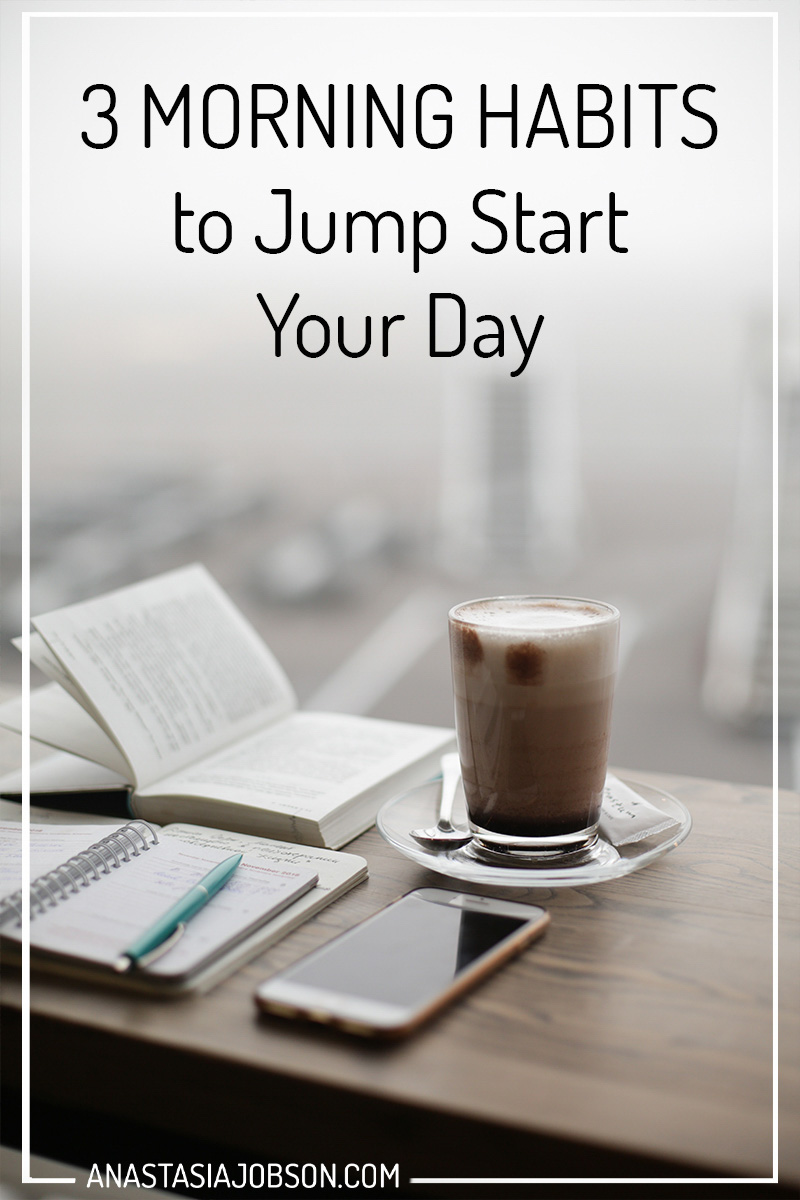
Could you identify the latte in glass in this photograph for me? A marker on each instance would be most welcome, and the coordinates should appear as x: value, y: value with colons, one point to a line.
x: 533, y: 678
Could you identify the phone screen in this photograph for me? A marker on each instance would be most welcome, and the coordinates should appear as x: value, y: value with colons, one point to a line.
x: 408, y: 953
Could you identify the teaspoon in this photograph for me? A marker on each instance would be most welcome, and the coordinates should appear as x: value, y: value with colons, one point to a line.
x: 444, y: 832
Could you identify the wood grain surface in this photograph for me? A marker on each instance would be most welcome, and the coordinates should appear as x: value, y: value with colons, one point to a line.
x: 635, y: 1039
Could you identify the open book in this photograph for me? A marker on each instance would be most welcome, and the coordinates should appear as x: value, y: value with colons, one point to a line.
x: 166, y: 683
x: 95, y: 888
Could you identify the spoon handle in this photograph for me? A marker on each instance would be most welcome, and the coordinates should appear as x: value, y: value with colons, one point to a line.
x: 451, y: 774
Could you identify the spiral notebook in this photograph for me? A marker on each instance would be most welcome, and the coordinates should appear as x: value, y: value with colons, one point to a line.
x: 94, y: 891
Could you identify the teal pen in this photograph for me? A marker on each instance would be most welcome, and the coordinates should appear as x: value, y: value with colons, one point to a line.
x: 175, y: 918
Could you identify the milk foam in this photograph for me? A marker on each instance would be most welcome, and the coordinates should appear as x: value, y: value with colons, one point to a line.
x: 532, y: 615
x: 578, y: 636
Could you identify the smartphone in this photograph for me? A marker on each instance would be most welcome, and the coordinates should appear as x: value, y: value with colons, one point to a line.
x: 393, y: 971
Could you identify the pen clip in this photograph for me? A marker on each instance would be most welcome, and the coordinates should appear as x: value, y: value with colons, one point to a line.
x: 126, y: 964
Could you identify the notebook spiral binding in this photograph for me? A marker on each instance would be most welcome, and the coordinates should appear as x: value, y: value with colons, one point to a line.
x: 82, y: 869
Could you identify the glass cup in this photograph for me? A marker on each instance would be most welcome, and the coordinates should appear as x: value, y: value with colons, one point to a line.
x: 533, y: 679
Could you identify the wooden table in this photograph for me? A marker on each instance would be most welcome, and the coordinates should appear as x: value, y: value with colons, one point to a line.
x: 634, y: 1040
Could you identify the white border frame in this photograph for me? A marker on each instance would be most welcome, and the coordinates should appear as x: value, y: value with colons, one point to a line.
x: 642, y: 14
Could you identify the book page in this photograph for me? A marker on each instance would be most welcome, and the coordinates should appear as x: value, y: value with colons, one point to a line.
x: 172, y: 665
x: 98, y: 922
x: 40, y: 656
x: 59, y: 721
x: 62, y: 772
x: 307, y: 764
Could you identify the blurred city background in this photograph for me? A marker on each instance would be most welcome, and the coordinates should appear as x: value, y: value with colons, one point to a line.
x: 346, y: 505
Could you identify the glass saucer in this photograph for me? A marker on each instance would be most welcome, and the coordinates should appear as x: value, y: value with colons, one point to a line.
x: 418, y: 808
